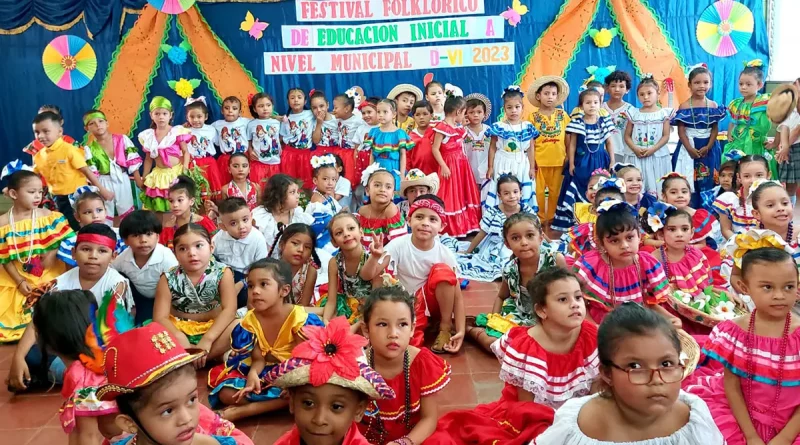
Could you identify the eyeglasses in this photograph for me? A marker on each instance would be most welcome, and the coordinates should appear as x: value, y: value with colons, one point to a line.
x: 668, y: 374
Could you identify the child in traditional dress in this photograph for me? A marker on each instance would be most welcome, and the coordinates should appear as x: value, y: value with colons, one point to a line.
x: 580, y: 239
x: 560, y: 356
x: 240, y: 186
x: 264, y: 338
x: 380, y: 220
x: 405, y: 95
x: 182, y: 198
x: 591, y: 85
x: 546, y: 93
x: 636, y: 347
x: 369, y: 112
x: 297, y: 247
x: 698, y: 124
x: 426, y: 269
x: 329, y: 393
x: 295, y: 134
x: 435, y: 95
x: 415, y: 374
x: 326, y: 130
x: 31, y: 237
x: 201, y: 146
x: 523, y: 236
x: 165, y: 146
x: 388, y: 144
x: 415, y: 185
x: 263, y: 133
x: 152, y: 380
x: 232, y: 130
x: 279, y: 206
x: 734, y: 209
x: 344, y: 107
x: 647, y: 134
x: 754, y: 400
x: 635, y: 194
x: 487, y: 263
x: 457, y: 186
x: 617, y: 84
x: 512, y: 149
x: 723, y: 184
x: 749, y: 125
x: 323, y: 205
x: 344, y: 189
x: 618, y: 272
x: 354, y: 271
x: 421, y: 157
x: 577, y: 208
x: 476, y: 142
x: 676, y: 191
x: 782, y: 111
x: 115, y: 158
x: 89, y: 208
x: 196, y: 301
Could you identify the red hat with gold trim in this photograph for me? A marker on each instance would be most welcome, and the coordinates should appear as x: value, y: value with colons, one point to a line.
x: 141, y: 356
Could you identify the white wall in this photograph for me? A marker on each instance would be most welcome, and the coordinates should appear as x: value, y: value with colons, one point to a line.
x: 785, y: 59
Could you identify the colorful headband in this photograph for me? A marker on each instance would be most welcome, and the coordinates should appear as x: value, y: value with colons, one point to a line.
x: 755, y: 63
x: 609, y: 204
x: 96, y: 239
x: 13, y: 167
x: 657, y: 215
x: 512, y: 89
x: 601, y: 171
x: 426, y: 204
x: 620, y: 165
x: 754, y: 239
x: 92, y: 116
x: 735, y: 155
x: 367, y: 173
x: 192, y: 100
x: 160, y: 102
x: 759, y: 182
x: 647, y: 76
x: 671, y: 175
x: 610, y: 183
x: 452, y: 90
x: 323, y: 161
x: 73, y: 197
x: 366, y: 104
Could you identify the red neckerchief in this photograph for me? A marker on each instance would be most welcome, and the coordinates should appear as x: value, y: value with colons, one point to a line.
x: 353, y: 437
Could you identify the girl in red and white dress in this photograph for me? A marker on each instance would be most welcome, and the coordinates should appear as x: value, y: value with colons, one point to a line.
x: 676, y: 191
x: 462, y: 201
x: 733, y: 208
x: 201, y: 146
x: 547, y: 364
x: 240, y: 186
x: 415, y: 374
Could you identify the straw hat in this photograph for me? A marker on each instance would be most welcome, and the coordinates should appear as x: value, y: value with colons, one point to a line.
x: 486, y: 103
x: 690, y: 351
x: 781, y: 103
x: 405, y: 88
x: 416, y: 177
x: 563, y: 89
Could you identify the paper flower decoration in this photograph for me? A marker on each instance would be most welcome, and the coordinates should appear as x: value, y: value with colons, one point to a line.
x: 319, y: 161
x: 600, y: 73
x: 603, y: 37
x: 177, y: 54
x: 331, y: 350
x: 69, y: 62
x: 724, y: 309
x: 253, y: 26
x: 514, y: 13
x: 184, y: 88
x: 610, y: 183
x: 612, y: 204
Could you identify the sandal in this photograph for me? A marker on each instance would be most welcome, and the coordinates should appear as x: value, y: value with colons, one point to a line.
x: 441, y: 340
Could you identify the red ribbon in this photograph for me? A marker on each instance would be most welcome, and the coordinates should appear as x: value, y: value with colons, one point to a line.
x: 366, y: 104
x: 96, y: 239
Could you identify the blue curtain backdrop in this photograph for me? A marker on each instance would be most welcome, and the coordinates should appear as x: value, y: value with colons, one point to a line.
x: 26, y: 86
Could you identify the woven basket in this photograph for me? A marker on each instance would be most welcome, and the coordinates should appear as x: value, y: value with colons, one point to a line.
x: 699, y: 316
x: 692, y: 350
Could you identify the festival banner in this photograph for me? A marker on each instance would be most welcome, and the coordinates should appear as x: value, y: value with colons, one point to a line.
x: 397, y: 59
x: 390, y: 34
x: 386, y: 10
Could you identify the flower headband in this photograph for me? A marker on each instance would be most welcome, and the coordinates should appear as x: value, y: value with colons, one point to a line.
x: 671, y: 175
x: 754, y: 239
x: 351, y: 93
x: 755, y: 63
x: 614, y: 204
x: 13, y: 167
x: 513, y: 89
x: 426, y: 204
x: 601, y: 171
x: 192, y: 100
x: 610, y: 183
x: 657, y: 215
x: 323, y: 161
x: 759, y: 182
x: 453, y: 91
x: 73, y: 198
x: 735, y: 155
x: 367, y: 173
x: 647, y: 76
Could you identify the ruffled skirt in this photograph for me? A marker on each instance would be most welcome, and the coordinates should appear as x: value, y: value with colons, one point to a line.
x: 348, y: 160
x: 210, y: 169
x: 297, y: 163
x: 462, y: 204
x: 157, y: 185
x: 260, y: 173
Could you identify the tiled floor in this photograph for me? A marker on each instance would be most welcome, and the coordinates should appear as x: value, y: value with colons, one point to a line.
x: 33, y: 420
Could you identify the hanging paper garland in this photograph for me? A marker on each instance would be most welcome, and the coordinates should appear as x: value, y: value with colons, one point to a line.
x: 724, y: 28
x: 69, y: 62
x: 172, y: 6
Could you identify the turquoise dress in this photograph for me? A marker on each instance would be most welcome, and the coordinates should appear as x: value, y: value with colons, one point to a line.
x: 386, y: 148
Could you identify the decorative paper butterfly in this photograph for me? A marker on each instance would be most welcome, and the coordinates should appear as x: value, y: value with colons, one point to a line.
x: 514, y: 13
x: 254, y: 27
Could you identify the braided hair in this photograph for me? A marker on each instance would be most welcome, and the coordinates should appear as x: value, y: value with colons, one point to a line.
x: 285, y: 233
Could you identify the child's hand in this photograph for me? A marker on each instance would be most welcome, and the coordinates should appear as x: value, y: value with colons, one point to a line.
x: 778, y: 440
x: 489, y: 173
x: 532, y: 172
x: 455, y: 343
x: 25, y: 287
x: 107, y: 194
x: 445, y: 172
x: 757, y: 441
x: 253, y: 386
x: 139, y: 182
x: 19, y: 376
x: 571, y: 168
x: 783, y: 156
x: 376, y: 246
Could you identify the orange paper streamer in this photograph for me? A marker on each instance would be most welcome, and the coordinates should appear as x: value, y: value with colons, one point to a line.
x: 220, y: 67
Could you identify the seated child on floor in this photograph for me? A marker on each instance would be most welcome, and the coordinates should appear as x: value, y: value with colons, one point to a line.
x: 531, y: 254
x: 676, y: 191
x: 580, y: 239
x: 144, y: 260
x: 264, y: 338
x: 183, y: 195
x: 414, y: 374
x: 237, y: 245
x: 634, y: 186
x: 618, y: 272
x: 240, y: 186
x: 572, y: 209
x: 560, y: 356
x: 636, y: 347
x: 89, y: 209
x: 426, y: 269
x: 196, y: 300
x: 724, y: 184
x: 297, y: 247
x: 416, y: 184
x: 354, y: 272
x: 381, y: 220
x: 155, y: 387
x: 279, y: 207
x: 733, y: 208
x: 334, y: 392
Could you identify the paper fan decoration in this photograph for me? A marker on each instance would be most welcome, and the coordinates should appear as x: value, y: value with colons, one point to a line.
x: 172, y: 6
x: 724, y: 28
x: 69, y: 62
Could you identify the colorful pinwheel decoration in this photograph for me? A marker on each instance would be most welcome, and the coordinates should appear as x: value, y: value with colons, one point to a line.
x: 253, y: 26
x: 69, y: 62
x: 172, y: 6
x: 725, y: 28
x: 177, y: 54
x: 514, y: 14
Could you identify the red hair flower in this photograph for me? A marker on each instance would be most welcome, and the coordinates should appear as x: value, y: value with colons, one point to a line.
x: 330, y: 350
x: 250, y: 99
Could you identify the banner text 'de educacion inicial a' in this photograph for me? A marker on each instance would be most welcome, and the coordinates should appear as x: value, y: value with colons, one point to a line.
x: 390, y: 34
x: 387, y: 10
x: 397, y: 59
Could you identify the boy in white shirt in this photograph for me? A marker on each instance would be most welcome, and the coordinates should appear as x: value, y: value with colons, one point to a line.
x: 143, y: 262
x: 427, y: 270
x: 237, y: 244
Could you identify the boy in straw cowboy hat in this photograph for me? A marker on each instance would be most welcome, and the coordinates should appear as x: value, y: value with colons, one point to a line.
x: 329, y: 385
x: 782, y: 111
x: 416, y: 184
x: 152, y: 379
x: 546, y: 93
x: 405, y: 95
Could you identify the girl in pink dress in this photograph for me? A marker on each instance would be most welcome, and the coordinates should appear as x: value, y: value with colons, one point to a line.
x: 755, y: 399
x: 462, y: 201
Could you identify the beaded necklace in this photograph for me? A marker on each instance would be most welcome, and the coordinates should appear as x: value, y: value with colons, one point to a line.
x: 611, y: 288
x: 748, y: 389
x: 586, y: 136
x: 789, y: 232
x: 664, y: 257
x: 25, y: 262
x: 381, y: 432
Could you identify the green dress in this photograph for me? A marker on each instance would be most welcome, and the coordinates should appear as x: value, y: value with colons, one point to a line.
x: 750, y: 128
